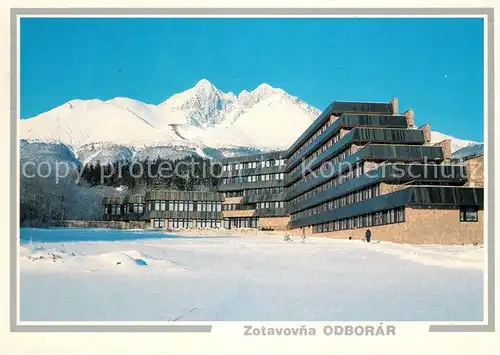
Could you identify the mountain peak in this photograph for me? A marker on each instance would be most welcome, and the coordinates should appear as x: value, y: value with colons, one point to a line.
x: 266, y: 88
x: 204, y: 84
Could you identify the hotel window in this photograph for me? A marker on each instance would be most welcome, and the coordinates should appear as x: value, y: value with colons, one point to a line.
x: 468, y: 214
x: 157, y: 205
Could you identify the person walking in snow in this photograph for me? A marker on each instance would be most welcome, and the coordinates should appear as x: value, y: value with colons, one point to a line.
x: 368, y: 235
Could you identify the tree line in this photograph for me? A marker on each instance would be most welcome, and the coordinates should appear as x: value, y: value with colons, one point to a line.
x: 79, y: 194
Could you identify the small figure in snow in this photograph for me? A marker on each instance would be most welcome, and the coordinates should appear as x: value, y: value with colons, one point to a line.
x: 287, y: 237
x: 368, y: 235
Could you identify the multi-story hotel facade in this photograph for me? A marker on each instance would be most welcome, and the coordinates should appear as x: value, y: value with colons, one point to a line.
x: 359, y: 166
x: 254, y: 192
x: 363, y: 166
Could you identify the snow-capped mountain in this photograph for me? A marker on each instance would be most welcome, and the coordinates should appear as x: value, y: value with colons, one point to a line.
x: 202, y: 120
x: 201, y: 106
x: 469, y: 151
x: 456, y: 144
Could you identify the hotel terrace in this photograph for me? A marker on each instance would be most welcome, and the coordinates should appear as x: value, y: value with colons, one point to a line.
x: 359, y: 166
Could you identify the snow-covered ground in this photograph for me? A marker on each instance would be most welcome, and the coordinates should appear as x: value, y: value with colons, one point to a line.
x: 112, y: 275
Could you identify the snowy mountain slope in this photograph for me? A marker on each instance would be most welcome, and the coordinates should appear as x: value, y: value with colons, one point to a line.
x: 272, y: 124
x: 172, y: 152
x: 45, y: 152
x: 80, y: 122
x: 469, y: 151
x: 202, y: 106
x: 456, y: 143
x: 200, y: 120
x: 104, y: 153
x: 221, y: 120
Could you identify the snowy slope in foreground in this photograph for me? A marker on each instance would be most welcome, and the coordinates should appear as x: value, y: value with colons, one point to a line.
x: 252, y: 278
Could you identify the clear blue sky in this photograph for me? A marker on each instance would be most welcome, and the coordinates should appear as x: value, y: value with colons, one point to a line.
x: 434, y: 66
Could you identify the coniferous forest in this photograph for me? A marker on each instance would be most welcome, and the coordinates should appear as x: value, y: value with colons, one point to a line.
x: 79, y: 195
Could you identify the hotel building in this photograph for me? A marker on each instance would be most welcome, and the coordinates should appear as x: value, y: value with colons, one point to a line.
x: 254, y: 192
x: 363, y: 166
x: 359, y: 166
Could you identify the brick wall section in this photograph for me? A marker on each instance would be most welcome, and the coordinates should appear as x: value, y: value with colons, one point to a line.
x: 395, y: 105
x: 307, y: 231
x: 229, y: 200
x: 354, y: 148
x: 370, y: 165
x: 427, y: 133
x: 276, y: 223
x: 475, y: 172
x: 334, y: 118
x: 422, y: 226
x: 446, y: 145
x: 388, y: 188
x: 241, y: 213
x: 410, y: 118
x: 343, y: 132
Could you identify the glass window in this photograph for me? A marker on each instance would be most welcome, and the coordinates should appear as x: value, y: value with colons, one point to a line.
x: 469, y: 214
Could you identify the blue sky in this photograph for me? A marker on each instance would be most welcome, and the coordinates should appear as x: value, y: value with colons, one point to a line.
x: 434, y: 66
